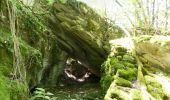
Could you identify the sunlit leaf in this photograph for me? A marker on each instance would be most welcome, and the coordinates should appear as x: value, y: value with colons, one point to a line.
x: 47, y: 97
x: 40, y: 89
x: 48, y: 93
x: 38, y: 92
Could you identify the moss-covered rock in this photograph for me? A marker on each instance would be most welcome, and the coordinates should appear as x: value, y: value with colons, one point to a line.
x: 154, y: 53
x: 106, y: 80
x: 138, y: 74
x: 128, y: 74
x: 122, y: 82
x: 136, y: 93
x: 129, y: 58
x: 120, y: 67
x: 35, y: 46
x: 154, y: 87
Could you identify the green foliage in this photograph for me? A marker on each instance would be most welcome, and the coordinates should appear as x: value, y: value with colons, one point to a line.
x: 50, y: 1
x: 9, y: 89
x: 5, y: 69
x: 120, y: 67
x: 137, y: 78
x: 41, y: 94
x: 4, y: 88
x: 123, y: 82
x: 30, y: 55
x: 88, y: 91
x: 5, y: 52
x: 129, y: 58
x: 128, y: 74
x: 18, y: 90
x: 30, y: 36
x: 87, y: 95
x: 105, y: 81
x: 154, y: 87
x: 136, y: 94
x: 63, y: 1
x: 12, y: 89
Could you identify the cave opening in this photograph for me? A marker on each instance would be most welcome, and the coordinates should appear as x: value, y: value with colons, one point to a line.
x: 75, y: 73
x: 77, y: 82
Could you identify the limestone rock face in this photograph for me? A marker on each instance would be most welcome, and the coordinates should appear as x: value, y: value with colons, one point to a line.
x: 82, y: 33
x: 139, y: 73
x: 155, y: 53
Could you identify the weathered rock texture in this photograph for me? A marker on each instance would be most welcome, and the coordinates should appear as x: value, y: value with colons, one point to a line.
x: 82, y: 33
x: 47, y: 37
x: 138, y: 74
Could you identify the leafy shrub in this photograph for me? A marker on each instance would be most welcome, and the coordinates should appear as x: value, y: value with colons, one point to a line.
x: 41, y: 94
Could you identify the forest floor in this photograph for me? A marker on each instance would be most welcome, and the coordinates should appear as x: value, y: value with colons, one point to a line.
x: 88, y: 91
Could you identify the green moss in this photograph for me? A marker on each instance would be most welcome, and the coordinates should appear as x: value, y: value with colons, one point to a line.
x: 156, y: 92
x: 152, y: 81
x: 106, y: 81
x: 119, y: 53
x: 118, y: 66
x: 12, y: 89
x: 154, y: 87
x: 115, y: 96
x: 119, y: 58
x: 143, y: 38
x: 4, y: 88
x: 32, y: 40
x: 5, y: 70
x: 121, y: 49
x: 128, y: 58
x: 120, y: 93
x: 6, y: 59
x: 122, y: 66
x: 5, y: 46
x: 112, y: 60
x: 136, y: 94
x: 128, y: 74
x: 18, y: 90
x: 122, y: 82
x: 129, y: 65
